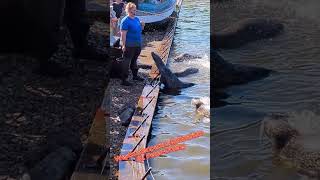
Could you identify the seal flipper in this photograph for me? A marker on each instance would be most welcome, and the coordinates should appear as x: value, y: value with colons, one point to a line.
x: 169, y: 79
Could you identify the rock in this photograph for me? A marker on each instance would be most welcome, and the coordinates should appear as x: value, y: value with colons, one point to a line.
x: 21, y: 119
x: 66, y: 138
x: 56, y: 166
x: 126, y: 115
x: 25, y: 176
x: 35, y: 155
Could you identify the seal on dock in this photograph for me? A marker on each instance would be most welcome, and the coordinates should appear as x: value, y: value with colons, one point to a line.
x: 245, y: 31
x: 169, y: 79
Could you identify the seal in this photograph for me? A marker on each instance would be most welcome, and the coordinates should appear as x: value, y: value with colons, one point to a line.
x: 202, y: 108
x: 245, y: 31
x: 169, y: 79
x: 227, y: 74
x: 290, y: 145
x: 184, y: 57
x: 187, y: 72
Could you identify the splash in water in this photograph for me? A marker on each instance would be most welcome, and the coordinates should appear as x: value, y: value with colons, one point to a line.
x: 306, y: 122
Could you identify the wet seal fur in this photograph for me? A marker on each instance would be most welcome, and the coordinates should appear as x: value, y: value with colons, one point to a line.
x: 185, y: 56
x: 227, y: 74
x: 289, y: 145
x: 169, y: 79
x: 202, y: 106
x: 187, y: 72
x: 245, y: 31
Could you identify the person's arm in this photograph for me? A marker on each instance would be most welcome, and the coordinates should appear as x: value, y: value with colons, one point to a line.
x: 142, y: 25
x: 123, y: 39
x: 124, y: 27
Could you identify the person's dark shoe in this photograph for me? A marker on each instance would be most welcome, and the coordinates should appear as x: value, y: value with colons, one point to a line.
x: 126, y: 83
x: 137, y: 78
x: 51, y: 69
x: 89, y: 53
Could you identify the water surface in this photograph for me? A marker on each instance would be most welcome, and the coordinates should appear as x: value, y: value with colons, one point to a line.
x: 294, y: 87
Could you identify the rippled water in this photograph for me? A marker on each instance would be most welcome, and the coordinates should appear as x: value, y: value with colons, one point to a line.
x: 175, y: 115
x: 294, y: 87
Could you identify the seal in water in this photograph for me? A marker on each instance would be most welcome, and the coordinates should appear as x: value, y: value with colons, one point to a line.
x: 187, y: 72
x: 290, y: 145
x: 185, y: 56
x: 202, y: 108
x: 227, y: 74
x: 169, y: 79
x: 246, y: 31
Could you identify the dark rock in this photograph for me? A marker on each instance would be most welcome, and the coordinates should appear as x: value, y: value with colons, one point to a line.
x: 66, y: 138
x: 56, y: 166
x: 126, y: 115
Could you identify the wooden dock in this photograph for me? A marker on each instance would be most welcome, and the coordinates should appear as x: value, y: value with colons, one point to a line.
x: 140, y: 125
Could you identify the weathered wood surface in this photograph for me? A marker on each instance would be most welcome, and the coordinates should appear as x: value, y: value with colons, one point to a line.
x: 132, y: 170
x: 56, y: 165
